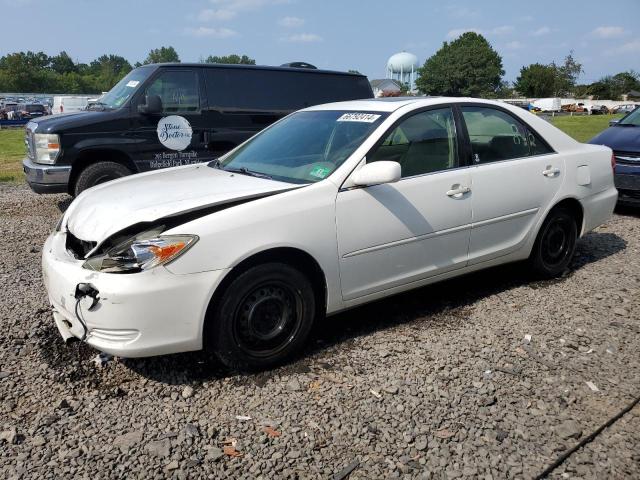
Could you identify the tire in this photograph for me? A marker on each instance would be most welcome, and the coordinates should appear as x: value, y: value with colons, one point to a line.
x: 263, y: 317
x: 97, y: 173
x: 555, y: 245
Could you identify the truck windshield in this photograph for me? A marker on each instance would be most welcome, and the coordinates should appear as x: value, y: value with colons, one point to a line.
x: 631, y: 119
x: 305, y: 147
x: 122, y: 91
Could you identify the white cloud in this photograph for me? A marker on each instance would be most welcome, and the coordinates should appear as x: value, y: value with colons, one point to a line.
x: 209, y: 14
x: 541, y: 31
x: 210, y: 32
x: 456, y: 32
x: 302, y: 38
x: 515, y: 45
x: 608, y: 32
x: 501, y: 30
x: 627, y: 48
x: 291, y: 22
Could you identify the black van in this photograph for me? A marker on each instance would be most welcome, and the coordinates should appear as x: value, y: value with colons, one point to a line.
x: 166, y: 115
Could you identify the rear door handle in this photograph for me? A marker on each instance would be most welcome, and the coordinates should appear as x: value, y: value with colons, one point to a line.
x: 457, y: 191
x: 551, y: 172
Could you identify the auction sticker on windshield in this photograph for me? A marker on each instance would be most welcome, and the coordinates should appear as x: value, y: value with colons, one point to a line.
x: 359, y: 117
x: 174, y: 132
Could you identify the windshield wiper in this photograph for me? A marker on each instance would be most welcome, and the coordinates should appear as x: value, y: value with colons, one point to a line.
x: 246, y: 171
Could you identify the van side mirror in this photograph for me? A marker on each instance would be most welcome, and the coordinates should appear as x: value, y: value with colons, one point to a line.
x: 153, y: 105
x: 613, y: 123
x: 376, y: 173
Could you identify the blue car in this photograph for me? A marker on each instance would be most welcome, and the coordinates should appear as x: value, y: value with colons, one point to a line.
x: 623, y: 137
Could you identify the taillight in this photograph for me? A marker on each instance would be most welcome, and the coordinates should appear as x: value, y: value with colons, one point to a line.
x: 613, y: 162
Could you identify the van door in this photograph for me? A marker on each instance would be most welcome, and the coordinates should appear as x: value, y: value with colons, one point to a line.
x: 177, y: 135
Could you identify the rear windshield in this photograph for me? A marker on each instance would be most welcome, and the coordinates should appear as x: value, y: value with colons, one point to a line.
x: 34, y: 108
x: 632, y: 118
x: 279, y: 90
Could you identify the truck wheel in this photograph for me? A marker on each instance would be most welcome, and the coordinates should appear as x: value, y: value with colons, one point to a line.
x: 264, y: 316
x: 97, y: 173
x: 555, y: 244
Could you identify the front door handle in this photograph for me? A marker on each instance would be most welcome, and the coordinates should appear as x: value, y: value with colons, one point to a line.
x: 551, y: 172
x: 458, y: 191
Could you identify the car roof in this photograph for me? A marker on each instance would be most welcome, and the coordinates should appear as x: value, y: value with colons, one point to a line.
x: 391, y: 104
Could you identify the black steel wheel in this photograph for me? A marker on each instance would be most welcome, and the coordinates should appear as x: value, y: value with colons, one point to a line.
x: 264, y: 316
x: 555, y: 244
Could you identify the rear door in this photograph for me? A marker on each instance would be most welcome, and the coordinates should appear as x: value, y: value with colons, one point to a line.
x: 177, y: 135
x: 514, y: 178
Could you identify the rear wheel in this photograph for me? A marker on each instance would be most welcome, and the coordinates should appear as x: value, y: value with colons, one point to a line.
x: 263, y: 317
x: 97, y: 173
x: 555, y: 244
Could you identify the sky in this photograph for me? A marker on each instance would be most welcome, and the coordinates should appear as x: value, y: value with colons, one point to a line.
x: 332, y: 34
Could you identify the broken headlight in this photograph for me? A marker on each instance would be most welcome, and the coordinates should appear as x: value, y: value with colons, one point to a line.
x: 136, y: 254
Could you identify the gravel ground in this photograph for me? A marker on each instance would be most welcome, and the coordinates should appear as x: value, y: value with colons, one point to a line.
x: 436, y: 383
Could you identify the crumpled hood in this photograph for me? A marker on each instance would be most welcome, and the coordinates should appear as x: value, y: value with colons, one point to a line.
x: 103, y: 210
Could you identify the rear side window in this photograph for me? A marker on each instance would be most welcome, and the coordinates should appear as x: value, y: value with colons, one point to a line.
x: 178, y: 91
x: 494, y: 135
x: 275, y: 90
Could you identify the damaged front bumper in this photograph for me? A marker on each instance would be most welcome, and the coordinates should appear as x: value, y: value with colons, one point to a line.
x: 153, y: 312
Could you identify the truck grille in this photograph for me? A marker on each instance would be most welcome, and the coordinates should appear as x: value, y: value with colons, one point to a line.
x: 29, y: 140
x: 627, y: 157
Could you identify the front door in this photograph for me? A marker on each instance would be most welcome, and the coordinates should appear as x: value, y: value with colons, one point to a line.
x: 177, y: 136
x: 515, y: 177
x: 395, y: 234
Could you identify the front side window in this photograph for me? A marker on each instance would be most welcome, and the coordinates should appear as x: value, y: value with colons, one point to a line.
x: 305, y: 147
x: 494, y: 135
x: 423, y: 143
x: 178, y: 91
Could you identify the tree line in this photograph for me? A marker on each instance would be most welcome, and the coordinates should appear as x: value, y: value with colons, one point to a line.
x: 469, y: 66
x: 466, y: 66
x: 37, y: 72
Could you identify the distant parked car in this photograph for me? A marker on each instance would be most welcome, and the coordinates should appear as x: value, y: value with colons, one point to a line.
x: 31, y: 110
x: 623, y: 137
x: 332, y: 207
x: 630, y: 107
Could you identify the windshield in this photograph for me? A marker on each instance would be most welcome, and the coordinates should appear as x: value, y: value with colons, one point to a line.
x: 34, y: 108
x: 123, y: 90
x: 305, y: 147
x: 632, y: 118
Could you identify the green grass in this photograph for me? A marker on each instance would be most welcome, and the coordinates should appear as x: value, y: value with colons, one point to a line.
x: 12, y: 151
x: 583, y: 127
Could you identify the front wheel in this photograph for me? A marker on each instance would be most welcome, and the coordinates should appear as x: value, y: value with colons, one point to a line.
x: 97, y: 173
x: 263, y: 317
x: 555, y: 244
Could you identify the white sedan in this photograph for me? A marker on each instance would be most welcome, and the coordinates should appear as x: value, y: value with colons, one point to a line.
x: 331, y: 207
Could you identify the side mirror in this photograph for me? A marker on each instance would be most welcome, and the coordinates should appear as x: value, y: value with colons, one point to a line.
x: 153, y: 105
x: 376, y: 173
x: 613, y: 123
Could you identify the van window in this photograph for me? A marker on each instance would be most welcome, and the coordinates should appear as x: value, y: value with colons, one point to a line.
x: 279, y: 90
x: 178, y: 91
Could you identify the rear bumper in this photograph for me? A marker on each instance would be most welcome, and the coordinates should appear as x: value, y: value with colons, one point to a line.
x: 46, y: 178
x: 598, y: 208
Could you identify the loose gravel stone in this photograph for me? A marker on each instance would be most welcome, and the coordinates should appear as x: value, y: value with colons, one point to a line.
x: 459, y: 393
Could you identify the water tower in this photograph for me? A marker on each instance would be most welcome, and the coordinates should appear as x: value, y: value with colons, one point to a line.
x: 402, y: 67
